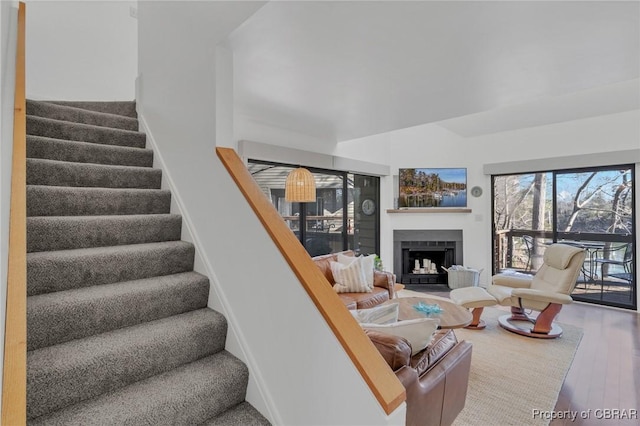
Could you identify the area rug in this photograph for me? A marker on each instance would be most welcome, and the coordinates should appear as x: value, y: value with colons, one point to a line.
x: 512, y: 375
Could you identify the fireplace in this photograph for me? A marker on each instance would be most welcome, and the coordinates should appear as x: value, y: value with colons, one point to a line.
x: 438, y: 248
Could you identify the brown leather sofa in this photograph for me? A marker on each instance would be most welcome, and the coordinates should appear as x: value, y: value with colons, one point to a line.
x: 435, y: 378
x: 383, y: 284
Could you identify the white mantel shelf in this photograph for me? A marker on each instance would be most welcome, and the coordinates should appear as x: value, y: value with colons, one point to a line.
x: 430, y: 210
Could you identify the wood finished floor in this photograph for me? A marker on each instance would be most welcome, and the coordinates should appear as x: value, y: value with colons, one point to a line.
x: 605, y: 373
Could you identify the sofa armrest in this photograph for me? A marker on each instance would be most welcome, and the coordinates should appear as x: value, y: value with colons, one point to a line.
x: 395, y: 350
x: 408, y: 377
x: 385, y: 280
x: 437, y: 396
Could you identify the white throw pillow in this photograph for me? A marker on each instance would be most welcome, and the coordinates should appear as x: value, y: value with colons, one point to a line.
x: 367, y: 262
x: 349, y: 278
x: 381, y: 314
x: 418, y: 332
x: 344, y: 259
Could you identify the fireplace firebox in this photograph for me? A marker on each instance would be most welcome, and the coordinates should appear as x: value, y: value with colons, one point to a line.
x: 437, y: 257
x: 421, y: 255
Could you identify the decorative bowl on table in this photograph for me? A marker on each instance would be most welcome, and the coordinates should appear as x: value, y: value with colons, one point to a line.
x: 429, y: 310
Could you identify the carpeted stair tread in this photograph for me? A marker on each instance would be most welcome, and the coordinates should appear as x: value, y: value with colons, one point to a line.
x: 62, y: 173
x: 242, y: 414
x: 61, y: 270
x: 118, y: 329
x: 45, y: 200
x: 87, y: 152
x: 58, y: 129
x: 79, y: 115
x: 65, y: 374
x: 62, y: 316
x: 46, y: 233
x: 187, y: 395
x: 124, y: 108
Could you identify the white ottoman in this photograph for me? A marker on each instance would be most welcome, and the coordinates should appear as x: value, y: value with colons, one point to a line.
x: 474, y: 298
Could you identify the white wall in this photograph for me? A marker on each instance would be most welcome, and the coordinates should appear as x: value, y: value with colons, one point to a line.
x: 254, y: 129
x: 81, y: 50
x: 299, y: 372
x: 433, y: 146
x: 8, y: 27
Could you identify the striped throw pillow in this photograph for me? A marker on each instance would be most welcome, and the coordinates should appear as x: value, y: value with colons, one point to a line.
x: 367, y: 263
x: 350, y: 278
x: 381, y: 314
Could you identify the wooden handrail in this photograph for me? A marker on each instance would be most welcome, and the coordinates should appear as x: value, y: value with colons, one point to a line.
x: 376, y: 372
x: 14, y: 379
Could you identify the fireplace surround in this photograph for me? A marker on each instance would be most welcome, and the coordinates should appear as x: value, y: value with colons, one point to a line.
x: 443, y: 247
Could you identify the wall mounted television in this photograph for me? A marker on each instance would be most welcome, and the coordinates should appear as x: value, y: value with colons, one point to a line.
x: 432, y: 187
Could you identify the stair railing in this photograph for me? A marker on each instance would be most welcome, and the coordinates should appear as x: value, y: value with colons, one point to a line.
x: 383, y: 383
x: 14, y: 380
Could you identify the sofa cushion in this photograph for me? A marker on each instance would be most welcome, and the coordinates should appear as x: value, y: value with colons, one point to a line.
x: 381, y: 314
x: 418, y: 332
x: 349, y: 301
x: 350, y: 277
x: 369, y: 300
x: 443, y: 341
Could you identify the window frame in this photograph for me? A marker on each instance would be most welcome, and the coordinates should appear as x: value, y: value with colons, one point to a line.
x: 557, y: 235
x: 345, y: 201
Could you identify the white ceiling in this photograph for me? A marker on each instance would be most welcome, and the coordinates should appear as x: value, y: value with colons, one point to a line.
x: 348, y: 69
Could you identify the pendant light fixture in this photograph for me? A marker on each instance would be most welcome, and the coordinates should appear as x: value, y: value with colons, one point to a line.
x: 300, y: 186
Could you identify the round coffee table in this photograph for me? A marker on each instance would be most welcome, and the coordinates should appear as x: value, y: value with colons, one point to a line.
x: 452, y: 316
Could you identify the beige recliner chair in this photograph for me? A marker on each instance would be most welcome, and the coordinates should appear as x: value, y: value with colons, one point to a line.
x: 546, y: 292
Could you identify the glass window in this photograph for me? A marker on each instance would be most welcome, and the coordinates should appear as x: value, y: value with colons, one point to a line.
x: 596, y: 201
x: 522, y: 219
x: 590, y: 208
x: 332, y: 223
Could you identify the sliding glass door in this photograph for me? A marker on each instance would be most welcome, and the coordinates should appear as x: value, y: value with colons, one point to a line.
x: 336, y: 221
x: 523, y: 225
x: 591, y: 208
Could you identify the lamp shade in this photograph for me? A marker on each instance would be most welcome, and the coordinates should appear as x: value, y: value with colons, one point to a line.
x: 300, y: 186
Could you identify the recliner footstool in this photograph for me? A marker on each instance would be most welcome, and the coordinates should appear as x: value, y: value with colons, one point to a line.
x: 474, y: 299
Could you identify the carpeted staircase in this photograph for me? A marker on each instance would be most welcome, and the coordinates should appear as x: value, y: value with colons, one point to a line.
x: 118, y: 329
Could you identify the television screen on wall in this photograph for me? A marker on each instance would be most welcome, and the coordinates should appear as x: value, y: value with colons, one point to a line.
x: 441, y: 187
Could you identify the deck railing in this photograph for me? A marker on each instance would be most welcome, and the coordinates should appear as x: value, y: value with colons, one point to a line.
x: 519, y: 248
x: 14, y: 380
x: 375, y: 371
